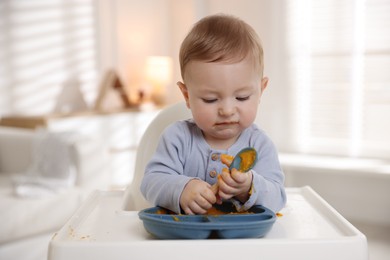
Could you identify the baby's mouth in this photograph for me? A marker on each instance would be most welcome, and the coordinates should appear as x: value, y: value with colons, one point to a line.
x: 226, y: 123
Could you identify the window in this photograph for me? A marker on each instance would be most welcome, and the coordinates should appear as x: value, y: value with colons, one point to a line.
x: 44, y: 43
x: 339, y: 60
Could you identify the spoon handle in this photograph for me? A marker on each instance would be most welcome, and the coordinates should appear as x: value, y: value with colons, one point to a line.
x: 214, y: 188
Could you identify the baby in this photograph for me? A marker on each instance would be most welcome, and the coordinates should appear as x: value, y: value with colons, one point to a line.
x: 221, y: 62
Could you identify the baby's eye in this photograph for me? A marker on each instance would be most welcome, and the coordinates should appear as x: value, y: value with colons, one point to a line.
x: 208, y: 101
x: 242, y: 98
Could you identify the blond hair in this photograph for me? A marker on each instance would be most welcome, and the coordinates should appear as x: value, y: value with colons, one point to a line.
x: 221, y: 38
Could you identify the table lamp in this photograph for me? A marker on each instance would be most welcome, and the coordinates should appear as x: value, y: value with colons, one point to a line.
x: 159, y: 75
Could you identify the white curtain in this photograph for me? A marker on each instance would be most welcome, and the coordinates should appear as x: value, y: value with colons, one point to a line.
x: 339, y: 70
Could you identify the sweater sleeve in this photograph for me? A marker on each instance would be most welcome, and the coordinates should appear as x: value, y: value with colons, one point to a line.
x: 268, y: 179
x: 163, y: 180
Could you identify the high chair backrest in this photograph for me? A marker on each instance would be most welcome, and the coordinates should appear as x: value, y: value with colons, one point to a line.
x: 133, y: 199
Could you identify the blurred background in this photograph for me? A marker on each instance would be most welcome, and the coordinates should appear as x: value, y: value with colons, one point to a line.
x: 327, y: 62
x: 327, y: 106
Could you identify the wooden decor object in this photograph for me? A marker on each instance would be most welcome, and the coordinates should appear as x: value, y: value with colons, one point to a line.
x: 111, y: 86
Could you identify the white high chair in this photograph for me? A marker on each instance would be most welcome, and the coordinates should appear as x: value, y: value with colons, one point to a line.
x: 107, y: 226
x: 133, y: 199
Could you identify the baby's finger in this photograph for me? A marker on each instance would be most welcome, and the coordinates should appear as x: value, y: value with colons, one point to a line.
x: 207, y: 200
x: 197, y: 209
x: 225, y: 177
x: 188, y: 211
x: 225, y: 195
x: 238, y: 176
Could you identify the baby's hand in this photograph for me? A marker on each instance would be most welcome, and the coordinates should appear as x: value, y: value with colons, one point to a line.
x: 197, y: 197
x: 234, y: 183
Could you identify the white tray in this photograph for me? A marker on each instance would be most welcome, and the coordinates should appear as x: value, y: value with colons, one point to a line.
x: 309, y: 229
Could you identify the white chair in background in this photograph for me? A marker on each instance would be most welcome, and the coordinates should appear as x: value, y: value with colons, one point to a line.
x: 42, y: 209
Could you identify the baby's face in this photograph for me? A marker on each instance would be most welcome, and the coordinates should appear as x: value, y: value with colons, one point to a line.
x: 223, y: 98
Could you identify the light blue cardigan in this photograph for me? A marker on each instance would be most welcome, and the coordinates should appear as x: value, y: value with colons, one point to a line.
x: 183, y: 154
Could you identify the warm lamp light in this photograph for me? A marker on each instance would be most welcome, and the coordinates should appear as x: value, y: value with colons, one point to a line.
x: 159, y: 75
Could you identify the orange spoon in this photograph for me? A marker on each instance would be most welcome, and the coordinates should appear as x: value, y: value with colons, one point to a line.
x: 243, y: 162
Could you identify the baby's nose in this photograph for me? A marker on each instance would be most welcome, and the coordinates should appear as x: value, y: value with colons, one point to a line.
x: 226, y: 109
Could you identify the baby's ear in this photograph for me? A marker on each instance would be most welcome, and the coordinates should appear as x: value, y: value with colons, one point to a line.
x: 184, y: 91
x: 264, y: 84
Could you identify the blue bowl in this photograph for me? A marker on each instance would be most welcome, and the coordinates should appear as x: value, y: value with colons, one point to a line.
x: 254, y: 224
